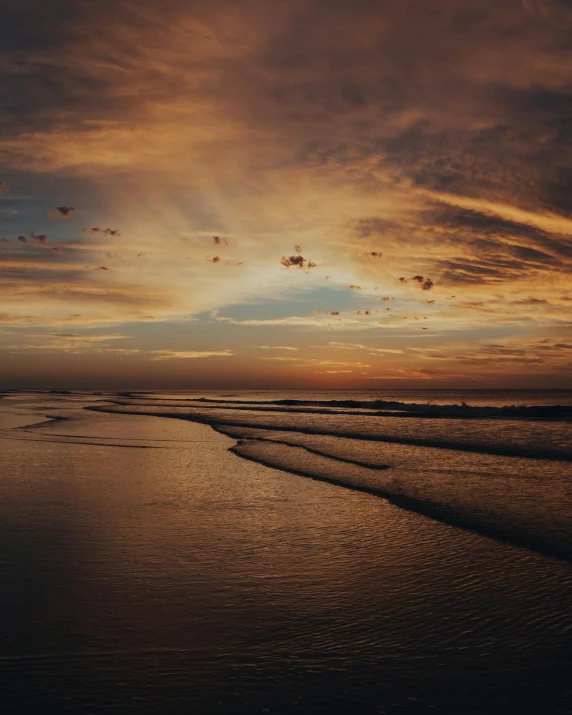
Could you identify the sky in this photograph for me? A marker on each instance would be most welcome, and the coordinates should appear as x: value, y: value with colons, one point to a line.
x: 269, y: 194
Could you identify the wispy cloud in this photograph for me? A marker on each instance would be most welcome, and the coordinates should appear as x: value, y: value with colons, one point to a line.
x: 274, y: 347
x: 187, y: 354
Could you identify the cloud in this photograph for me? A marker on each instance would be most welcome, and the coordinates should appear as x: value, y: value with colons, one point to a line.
x: 327, y: 321
x: 530, y: 301
x: 75, y: 343
x: 215, y: 259
x: 115, y: 232
x: 5, y: 240
x: 424, y: 283
x: 298, y: 261
x: 335, y: 345
x: 187, y: 354
x: 23, y: 239
x: 543, y: 355
x: 404, y: 374
x: 373, y: 254
x: 61, y: 212
x: 40, y: 238
x: 274, y: 347
x: 218, y: 241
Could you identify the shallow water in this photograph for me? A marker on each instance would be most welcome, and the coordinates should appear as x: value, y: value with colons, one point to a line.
x: 507, y: 478
x: 148, y: 569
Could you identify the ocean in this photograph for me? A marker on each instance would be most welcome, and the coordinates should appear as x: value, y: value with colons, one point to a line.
x: 403, y: 551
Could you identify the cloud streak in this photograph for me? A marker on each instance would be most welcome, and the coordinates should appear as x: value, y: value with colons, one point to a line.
x: 188, y: 354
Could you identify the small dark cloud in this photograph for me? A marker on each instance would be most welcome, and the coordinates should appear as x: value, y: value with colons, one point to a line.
x: 218, y: 241
x: 373, y: 254
x: 23, y: 239
x: 297, y: 261
x: 355, y: 287
x: 102, y: 268
x: 61, y: 212
x: 298, y: 248
x: 40, y: 238
x: 293, y: 261
x: 424, y: 283
x: 215, y: 259
x: 115, y: 232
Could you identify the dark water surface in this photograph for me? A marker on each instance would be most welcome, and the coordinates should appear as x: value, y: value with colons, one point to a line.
x: 145, y: 568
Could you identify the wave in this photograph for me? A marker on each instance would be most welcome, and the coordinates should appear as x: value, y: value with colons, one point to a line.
x: 537, y: 529
x: 488, y: 443
x: 413, y: 409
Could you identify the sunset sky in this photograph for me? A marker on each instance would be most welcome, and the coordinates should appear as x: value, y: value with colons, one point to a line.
x: 312, y: 193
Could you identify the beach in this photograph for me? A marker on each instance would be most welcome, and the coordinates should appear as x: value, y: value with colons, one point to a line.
x: 147, y: 568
